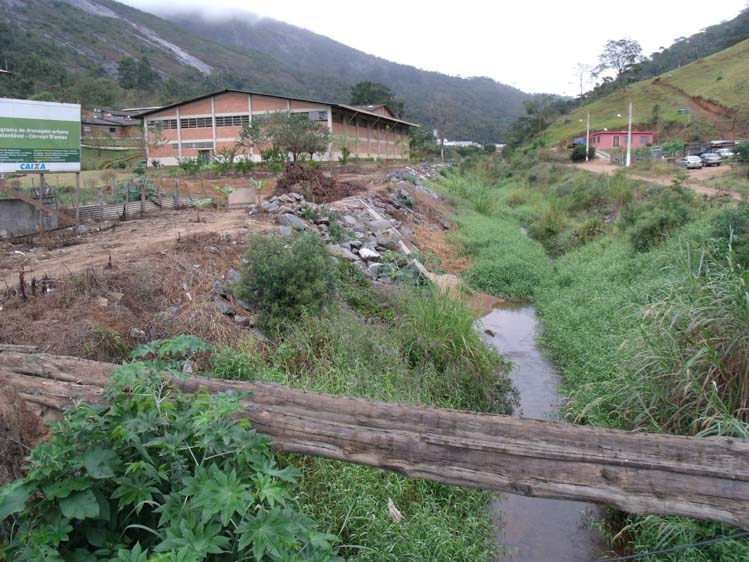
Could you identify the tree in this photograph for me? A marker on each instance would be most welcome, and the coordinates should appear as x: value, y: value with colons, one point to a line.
x: 292, y: 133
x: 742, y: 152
x: 375, y: 93
x: 619, y: 56
x: 440, y: 114
x: 127, y: 73
x: 147, y: 77
x: 583, y: 73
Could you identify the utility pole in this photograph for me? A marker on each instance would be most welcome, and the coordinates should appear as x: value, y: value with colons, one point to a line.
x: 587, y: 140
x: 629, y: 137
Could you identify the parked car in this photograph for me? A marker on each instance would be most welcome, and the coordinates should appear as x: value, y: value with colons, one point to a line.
x: 725, y: 153
x: 691, y: 162
x: 710, y: 159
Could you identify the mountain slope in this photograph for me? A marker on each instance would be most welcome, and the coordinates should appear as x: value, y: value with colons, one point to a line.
x: 69, y: 50
x: 714, y: 89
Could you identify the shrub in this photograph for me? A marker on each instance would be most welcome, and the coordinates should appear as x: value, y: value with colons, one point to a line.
x: 157, y: 475
x: 673, y: 146
x: 741, y: 150
x: 656, y: 217
x: 578, y: 153
x: 730, y: 228
x: 286, y: 278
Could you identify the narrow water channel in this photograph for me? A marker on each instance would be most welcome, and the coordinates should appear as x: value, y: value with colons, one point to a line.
x: 536, y: 529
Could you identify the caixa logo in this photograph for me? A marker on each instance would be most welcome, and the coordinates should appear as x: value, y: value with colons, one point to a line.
x: 33, y: 166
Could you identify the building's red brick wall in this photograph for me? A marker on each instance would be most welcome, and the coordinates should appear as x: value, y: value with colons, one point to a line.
x: 266, y: 103
x: 232, y: 102
x: 200, y: 107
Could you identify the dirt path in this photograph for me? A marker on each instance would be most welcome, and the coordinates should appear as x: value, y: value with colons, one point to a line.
x: 695, y: 178
x: 125, y: 243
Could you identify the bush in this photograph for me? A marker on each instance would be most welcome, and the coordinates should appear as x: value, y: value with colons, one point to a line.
x: 741, y: 150
x: 286, y: 278
x: 730, y: 228
x: 157, y: 475
x: 578, y: 153
x: 655, y: 218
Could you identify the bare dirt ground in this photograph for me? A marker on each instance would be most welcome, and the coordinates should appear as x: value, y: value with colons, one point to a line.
x: 695, y: 178
x: 126, y: 243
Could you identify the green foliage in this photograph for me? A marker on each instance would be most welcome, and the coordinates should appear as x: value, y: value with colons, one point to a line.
x: 654, y: 220
x: 741, y: 151
x: 292, y: 133
x: 580, y: 151
x: 170, y: 353
x: 137, y: 74
x: 345, y: 155
x: 274, y: 158
x: 730, y: 229
x: 375, y: 93
x: 157, y: 475
x: 490, y: 148
x: 190, y: 165
x: 673, y: 146
x: 287, y: 278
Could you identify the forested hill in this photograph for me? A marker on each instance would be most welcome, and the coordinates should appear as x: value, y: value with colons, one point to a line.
x: 71, y: 50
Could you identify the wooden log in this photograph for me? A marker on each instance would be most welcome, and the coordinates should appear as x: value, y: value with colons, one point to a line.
x: 706, y: 478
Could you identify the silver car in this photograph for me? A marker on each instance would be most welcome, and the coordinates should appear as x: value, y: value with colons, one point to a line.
x: 690, y: 162
x: 711, y: 159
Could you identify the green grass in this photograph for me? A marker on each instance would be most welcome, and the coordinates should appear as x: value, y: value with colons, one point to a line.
x: 614, y: 307
x: 412, y: 345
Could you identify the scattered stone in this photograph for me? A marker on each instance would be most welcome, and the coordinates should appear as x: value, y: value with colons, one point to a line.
x: 379, y: 226
x: 285, y: 230
x: 187, y: 367
x: 137, y: 334
x: 224, y: 307
x: 219, y: 288
x: 341, y: 252
x: 272, y: 208
x: 350, y: 221
x: 82, y: 229
x: 355, y: 243
x: 285, y: 210
x: 368, y: 254
x: 212, y: 249
x: 245, y: 321
x: 244, y: 304
x: 233, y: 277
x: 102, y: 302
x: 445, y: 224
x: 292, y: 221
x: 323, y: 220
x: 406, y: 198
x: 489, y: 332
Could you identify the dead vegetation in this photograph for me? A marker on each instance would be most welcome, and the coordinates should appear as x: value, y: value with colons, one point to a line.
x: 313, y: 184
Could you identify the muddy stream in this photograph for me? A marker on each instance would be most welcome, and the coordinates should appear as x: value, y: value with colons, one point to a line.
x: 536, y: 529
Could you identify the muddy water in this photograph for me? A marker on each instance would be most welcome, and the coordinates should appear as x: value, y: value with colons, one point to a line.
x: 536, y: 529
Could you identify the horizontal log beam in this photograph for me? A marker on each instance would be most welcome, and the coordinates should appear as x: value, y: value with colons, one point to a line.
x: 706, y: 478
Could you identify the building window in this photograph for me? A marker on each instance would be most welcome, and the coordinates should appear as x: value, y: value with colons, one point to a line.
x: 643, y: 140
x: 616, y: 141
x: 196, y: 123
x: 318, y: 116
x: 232, y: 120
x: 112, y: 129
x: 163, y: 124
x: 189, y: 145
x: 87, y: 128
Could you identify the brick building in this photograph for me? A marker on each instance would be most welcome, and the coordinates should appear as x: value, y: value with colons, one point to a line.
x: 198, y: 127
x: 606, y: 140
x: 101, y: 124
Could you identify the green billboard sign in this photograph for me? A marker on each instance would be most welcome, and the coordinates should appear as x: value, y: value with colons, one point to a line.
x: 39, y: 136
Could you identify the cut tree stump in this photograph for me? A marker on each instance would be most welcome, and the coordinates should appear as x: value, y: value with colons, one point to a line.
x: 706, y: 478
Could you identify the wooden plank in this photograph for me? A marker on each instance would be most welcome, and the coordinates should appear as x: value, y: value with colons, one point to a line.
x: 706, y: 478
x: 36, y: 203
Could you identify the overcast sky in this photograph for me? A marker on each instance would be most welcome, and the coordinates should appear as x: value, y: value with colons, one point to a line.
x: 531, y: 44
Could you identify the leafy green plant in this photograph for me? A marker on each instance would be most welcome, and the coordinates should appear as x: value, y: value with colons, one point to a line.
x: 286, y: 278
x: 190, y: 165
x: 224, y: 190
x: 170, y: 353
x: 157, y: 475
x: 345, y: 155
x: 274, y: 158
x: 198, y: 204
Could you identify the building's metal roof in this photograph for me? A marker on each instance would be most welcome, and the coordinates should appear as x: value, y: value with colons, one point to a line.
x: 234, y: 91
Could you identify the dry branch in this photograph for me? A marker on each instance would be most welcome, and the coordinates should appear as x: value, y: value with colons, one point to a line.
x: 640, y: 473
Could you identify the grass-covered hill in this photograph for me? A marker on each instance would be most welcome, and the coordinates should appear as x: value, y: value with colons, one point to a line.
x: 715, y: 89
x: 69, y: 50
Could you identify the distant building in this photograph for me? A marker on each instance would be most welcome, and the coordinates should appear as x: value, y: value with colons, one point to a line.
x: 463, y: 143
x: 198, y: 127
x: 101, y: 124
x: 607, y: 140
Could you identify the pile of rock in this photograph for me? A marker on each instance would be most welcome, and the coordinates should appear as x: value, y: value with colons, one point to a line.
x: 360, y: 231
x: 242, y: 312
x: 418, y: 176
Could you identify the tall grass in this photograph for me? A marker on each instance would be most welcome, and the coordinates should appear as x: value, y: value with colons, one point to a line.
x: 425, y: 350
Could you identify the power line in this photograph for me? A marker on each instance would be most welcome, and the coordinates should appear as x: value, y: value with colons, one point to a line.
x: 675, y: 548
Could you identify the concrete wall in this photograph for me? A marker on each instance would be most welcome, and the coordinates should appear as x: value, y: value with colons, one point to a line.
x: 18, y: 218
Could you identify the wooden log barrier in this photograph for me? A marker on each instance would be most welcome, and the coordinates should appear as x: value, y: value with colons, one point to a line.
x: 706, y: 478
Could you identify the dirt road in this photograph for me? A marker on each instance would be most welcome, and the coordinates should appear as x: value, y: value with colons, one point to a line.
x: 695, y: 178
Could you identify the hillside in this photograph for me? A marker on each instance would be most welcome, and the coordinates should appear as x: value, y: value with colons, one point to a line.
x: 715, y: 90
x: 69, y: 51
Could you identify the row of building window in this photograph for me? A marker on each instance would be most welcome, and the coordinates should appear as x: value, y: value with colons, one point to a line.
x: 232, y: 120
x: 221, y: 121
x: 186, y: 145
